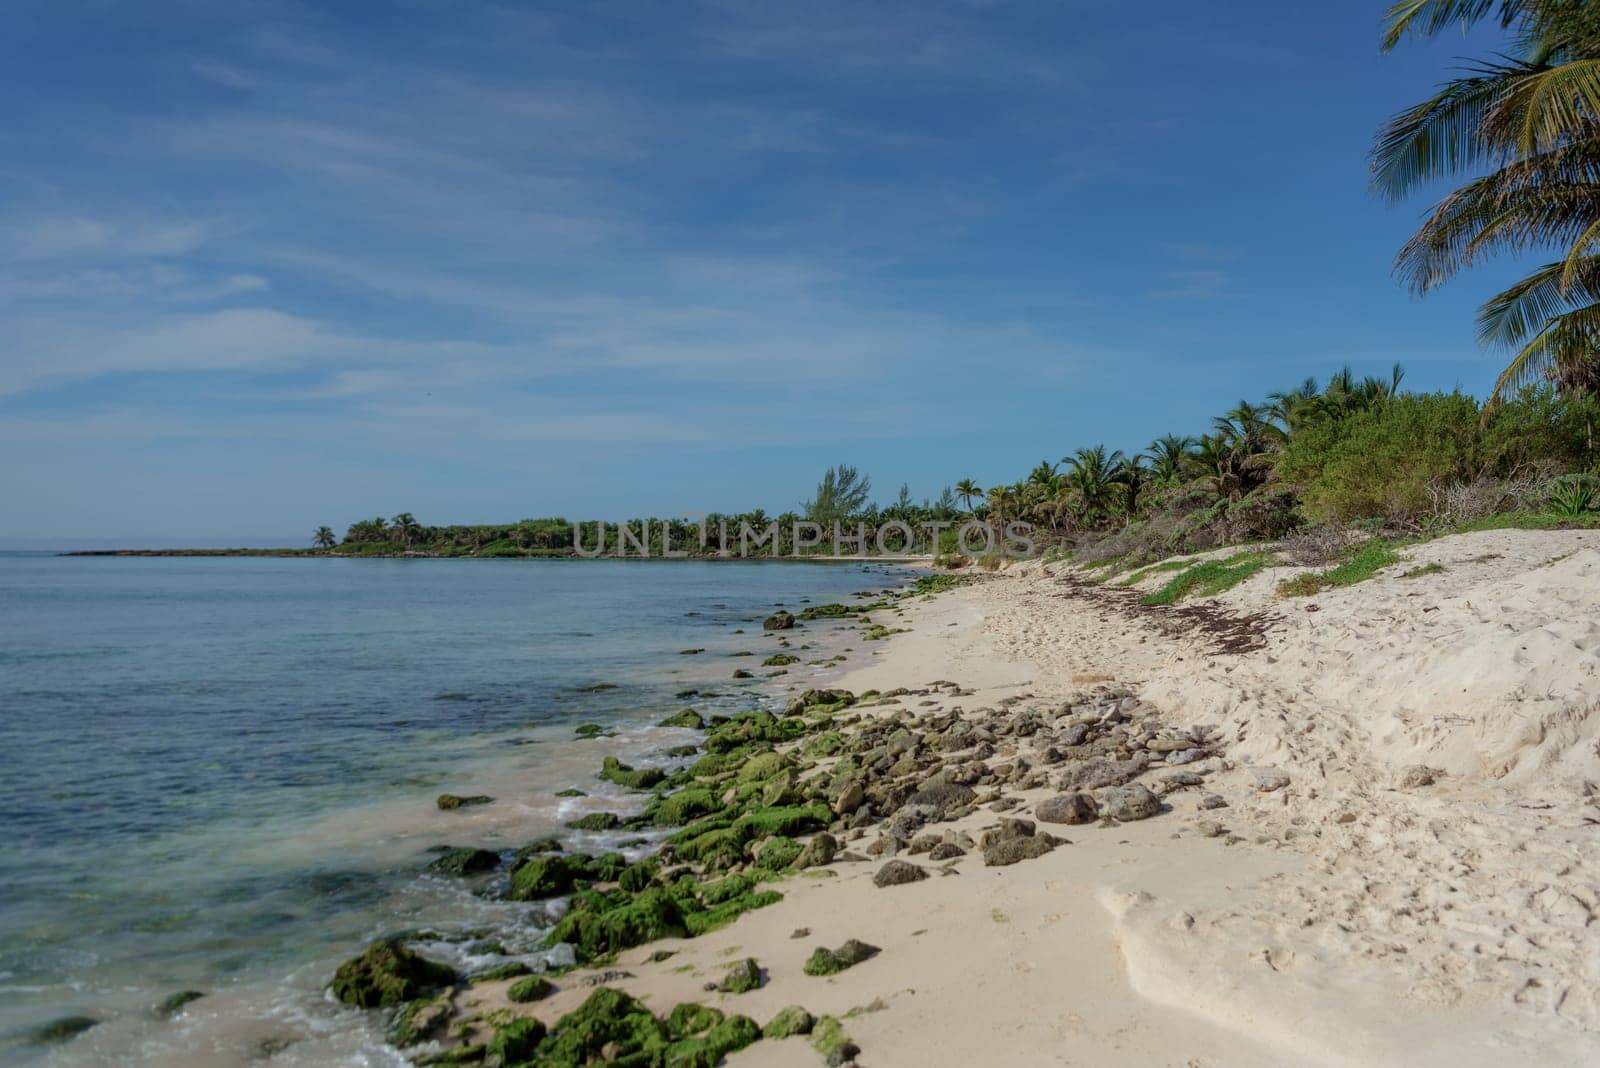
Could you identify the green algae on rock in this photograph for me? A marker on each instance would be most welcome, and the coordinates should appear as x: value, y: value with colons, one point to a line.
x: 742, y: 977
x: 793, y: 1020
x: 453, y: 801
x: 61, y: 1030
x: 833, y: 961
x: 533, y: 988
x: 464, y: 861
x: 614, y: 770
x: 612, y: 1027
x: 596, y: 821
x: 688, y: 718
x: 828, y: 1038
x: 387, y: 973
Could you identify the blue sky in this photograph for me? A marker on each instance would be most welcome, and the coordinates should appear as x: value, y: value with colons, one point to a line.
x: 265, y: 265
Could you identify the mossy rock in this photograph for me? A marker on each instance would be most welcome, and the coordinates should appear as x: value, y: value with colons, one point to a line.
x: 820, y: 703
x: 533, y: 988
x: 699, y: 923
x: 793, y: 1020
x: 509, y: 970
x: 452, y: 1056
x: 689, y: 1019
x: 779, y: 620
x: 828, y: 1038
x: 596, y: 821
x: 833, y: 961
x: 549, y: 875
x: 637, y: 877
x: 763, y: 766
x: 464, y: 861
x: 679, y: 808
x: 780, y: 660
x: 448, y: 802
x: 60, y: 1030
x: 420, y: 1020
x: 388, y: 973
x: 607, y: 1016
x: 516, y: 1042
x: 785, y: 820
x: 614, y: 770
x: 173, y: 1004
x: 571, y: 791
x: 547, y: 844
x: 707, y: 1051
x: 818, y: 852
x: 777, y: 853
x: 821, y: 746
x: 644, y: 917
x: 591, y: 730
x: 688, y: 718
x: 742, y: 977
x: 783, y: 789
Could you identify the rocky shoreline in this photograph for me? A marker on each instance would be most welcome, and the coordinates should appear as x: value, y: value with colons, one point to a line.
x: 905, y: 782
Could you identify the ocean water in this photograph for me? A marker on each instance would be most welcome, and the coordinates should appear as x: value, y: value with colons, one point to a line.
x: 219, y: 774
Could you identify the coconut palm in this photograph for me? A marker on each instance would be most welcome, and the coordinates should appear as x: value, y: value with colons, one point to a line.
x: 1532, y: 120
x: 405, y: 527
x: 1091, y: 475
x: 323, y: 538
x: 968, y: 489
x: 1133, y: 475
x: 1167, y: 455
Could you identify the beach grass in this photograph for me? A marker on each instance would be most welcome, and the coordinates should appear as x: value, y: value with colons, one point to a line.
x: 1367, y: 560
x: 1209, y: 577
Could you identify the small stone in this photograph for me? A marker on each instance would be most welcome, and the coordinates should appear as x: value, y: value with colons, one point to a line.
x: 1269, y: 779
x: 1185, y: 756
x: 1129, y: 803
x: 1067, y: 808
x: 1211, y: 801
x: 1416, y: 776
x: 946, y: 851
x: 897, y: 873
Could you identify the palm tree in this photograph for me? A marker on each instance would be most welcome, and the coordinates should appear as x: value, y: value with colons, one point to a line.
x: 967, y: 489
x: 1092, y: 475
x: 323, y: 538
x: 1132, y: 475
x: 1167, y: 455
x: 405, y: 526
x: 1531, y: 119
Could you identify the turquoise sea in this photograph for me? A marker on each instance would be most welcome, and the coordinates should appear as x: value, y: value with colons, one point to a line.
x: 219, y: 773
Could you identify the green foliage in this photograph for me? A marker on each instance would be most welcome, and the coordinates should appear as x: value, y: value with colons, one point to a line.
x: 1573, y: 496
x: 1383, y: 460
x: 841, y: 494
x: 1209, y: 577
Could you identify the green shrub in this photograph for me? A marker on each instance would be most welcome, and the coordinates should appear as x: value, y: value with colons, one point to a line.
x: 1382, y: 461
